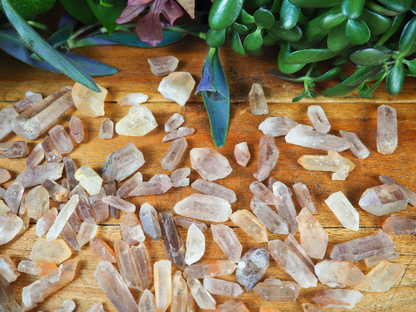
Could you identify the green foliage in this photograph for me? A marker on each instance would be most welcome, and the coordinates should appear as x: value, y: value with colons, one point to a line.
x: 79, y: 9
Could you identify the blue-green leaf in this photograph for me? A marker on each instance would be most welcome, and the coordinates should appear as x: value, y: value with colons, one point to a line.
x: 92, y: 67
x: 60, y: 37
x: 131, y: 39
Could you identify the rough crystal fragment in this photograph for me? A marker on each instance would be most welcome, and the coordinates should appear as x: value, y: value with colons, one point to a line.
x: 287, y: 208
x: 252, y: 267
x: 4, y: 175
x: 10, y: 225
x: 127, y: 265
x: 66, y: 306
x: 190, y: 303
x: 214, y: 189
x: 307, y: 137
x: 277, y: 126
x: 250, y: 224
x: 286, y: 292
x: 174, y: 122
x: 268, y: 217
x: 39, y: 174
x: 51, y: 153
x: 387, y: 137
x: 180, y: 293
x: 35, y: 157
x: 114, y: 287
x: 130, y: 185
x: 141, y: 258
x: 138, y: 122
x: 89, y: 102
x: 102, y: 250
x: 163, y: 65
x: 409, y: 193
x: 172, y: 240
x: 318, y: 118
x: 187, y: 222
x: 195, y: 245
x: 232, y: 306
x: 147, y: 302
x: 304, y: 197
x: 83, y: 210
x: 268, y: 155
x: 174, y: 154
x: 119, y: 203
x: 106, y: 129
x: 62, y: 218
x: 202, y: 297
x: 242, y: 154
x: 209, y: 163
x: 228, y: 241
x: 204, y: 207
x: 4, y: 209
x: 373, y: 261
x: 382, y: 277
x: 209, y: 269
x: 13, y: 196
x: 89, y: 180
x: 177, y: 87
x: 76, y: 129
x: 383, y: 199
x: 399, y: 225
x: 361, y: 248
x: 8, y: 300
x: 357, y: 147
x: 36, y: 268
x: 132, y: 99
x: 46, y: 221
x: 263, y: 193
x: 333, y: 162
x: 111, y: 190
x: 222, y: 288
x: 158, y: 184
x: 36, y: 202
x: 70, y: 237
x: 258, y: 104
x: 55, y: 251
x: 343, y: 210
x: 178, y: 133
x: 61, y: 140
x: 131, y: 230
x: 335, y: 273
x: 337, y: 298
x: 8, y: 268
x: 16, y: 149
x: 100, y: 208
x: 163, y: 284
x: 56, y: 191
x: 150, y: 223
x: 27, y: 102
x: 70, y: 169
x: 86, y: 232
x: 2, y: 193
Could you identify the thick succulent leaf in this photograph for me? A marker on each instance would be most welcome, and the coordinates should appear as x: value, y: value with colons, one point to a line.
x: 330, y: 74
x: 412, y: 66
x: 399, y: 6
x: 352, y: 8
x: 315, y: 3
x: 371, y: 56
x: 395, y: 78
x: 189, y: 7
x: 92, y: 67
x: 367, y: 76
x: 290, y: 35
x: 357, y: 32
x: 377, y: 23
x: 107, y: 14
x: 370, y: 91
x: 235, y: 42
x: 80, y: 10
x: 407, y: 39
x: 309, y: 55
x: 131, y: 39
x: 263, y: 18
x: 395, y: 26
x: 281, y: 75
x: 283, y: 66
x: 376, y: 7
x: 289, y: 14
x: 337, y: 38
x: 334, y: 17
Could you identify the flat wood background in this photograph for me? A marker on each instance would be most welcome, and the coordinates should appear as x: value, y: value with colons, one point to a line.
x: 350, y: 113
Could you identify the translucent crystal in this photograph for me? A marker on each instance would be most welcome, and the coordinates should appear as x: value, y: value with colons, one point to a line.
x: 100, y: 208
x: 70, y: 237
x: 382, y: 277
x: 147, y: 302
x: 51, y: 153
x: 258, y: 104
x: 61, y: 139
x: 8, y: 299
x: 177, y: 86
x: 343, y: 210
x: 27, y: 102
x: 333, y: 162
x: 158, y: 184
x: 214, y: 189
x: 318, y: 118
x: 24, y: 216
x: 277, y: 126
x: 172, y: 240
x: 209, y: 269
x: 242, y: 154
x: 57, y: 192
x: 232, y: 306
x: 195, y: 245
x: 111, y: 190
x: 16, y: 149
x: 335, y: 273
x: 127, y: 265
x: 308, y: 307
x: 163, y: 284
x: 62, y: 218
x: 70, y: 169
x: 66, y: 306
x: 373, y: 261
x: 337, y: 298
x: 287, y: 208
x: 150, y: 223
x: 209, y: 163
x: 269, y: 217
x: 84, y: 211
x: 399, y: 225
x: 187, y: 222
x: 174, y: 154
x: 102, y: 250
x: 190, y: 303
x: 174, y: 122
x: 202, y: 297
x: 131, y: 230
x: 178, y: 133
x: 55, y: 251
x: 8, y: 268
x: 7, y: 117
x: 36, y: 202
x: 250, y: 224
x: 163, y: 65
x: 222, y: 288
x: 46, y: 221
x: 410, y: 194
x: 119, y: 203
x: 268, y: 155
x: 252, y: 267
x: 13, y: 196
x: 138, y: 122
x: 263, y: 193
x: 89, y: 180
x: 357, y: 147
x: 76, y: 129
x: 286, y: 292
x: 225, y: 237
x: 4, y: 209
x: 2, y: 193
x: 132, y: 99
x: 304, y: 197
x: 86, y: 232
x: 106, y: 129
x: 10, y: 225
x: 268, y: 309
x: 36, y: 268
x: 180, y: 293
x: 387, y: 137
x: 89, y: 102
x: 35, y: 157
x: 141, y: 258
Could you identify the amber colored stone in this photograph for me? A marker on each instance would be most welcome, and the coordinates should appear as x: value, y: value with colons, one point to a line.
x: 250, y: 224
x: 55, y: 251
x: 36, y: 268
x: 210, y: 268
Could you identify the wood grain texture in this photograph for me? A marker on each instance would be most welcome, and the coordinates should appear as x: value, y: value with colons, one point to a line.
x: 349, y: 113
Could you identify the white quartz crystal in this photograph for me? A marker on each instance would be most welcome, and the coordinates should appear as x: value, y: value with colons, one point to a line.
x: 177, y: 87
x: 138, y: 122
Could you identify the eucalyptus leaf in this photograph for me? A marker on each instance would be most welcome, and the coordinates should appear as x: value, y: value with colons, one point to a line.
x: 407, y: 39
x: 309, y: 55
x: 80, y: 10
x: 395, y: 78
x: 370, y: 56
x: 289, y: 14
x: 131, y: 39
x: 283, y: 66
x: 107, y: 15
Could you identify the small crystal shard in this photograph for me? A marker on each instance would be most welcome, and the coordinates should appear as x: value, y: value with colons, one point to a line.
x: 111, y: 190
x: 343, y: 210
x: 250, y: 224
x: 387, y: 138
x: 57, y: 192
x: 16, y: 149
x: 285, y: 292
x: 178, y: 133
x: 70, y: 169
x: 39, y: 174
x: 357, y: 147
x: 89, y: 102
x: 102, y: 250
x: 232, y: 306
x: 132, y: 99
x: 204, y: 207
x: 195, y: 245
x: 268, y: 155
x: 4, y: 176
x: 51, y: 153
x: 89, y: 180
x: 70, y: 237
x: 66, y: 306
x: 258, y: 104
x: 158, y: 184
x: 127, y: 265
x: 27, y: 102
x: 335, y: 273
x: 361, y: 248
x: 46, y: 221
x: 177, y: 87
x: 119, y: 203
x: 399, y: 225
x: 36, y: 268
x: 40, y: 289
x: 36, y: 202
x: 35, y: 157
x: 337, y: 298
x: 163, y: 65
x: 4, y: 209
x: 62, y: 218
x: 409, y: 193
x: 147, y: 302
x: 174, y: 154
x: 222, y: 288
x: 8, y: 300
x: 8, y: 268
x: 202, y: 297
x: 86, y: 232
x: 174, y: 122
x: 141, y: 258
x: 287, y: 208
x: 225, y: 237
x: 313, y: 237
x: 268, y: 217
x: 106, y: 129
x: 263, y: 193
x: 304, y: 197
x: 100, y: 208
x: 211, y: 268
x: 61, y: 139
x: 214, y: 189
x: 163, y: 284
x: 190, y: 303
x: 383, y: 199
x: 373, y: 261
x: 76, y: 129
x: 131, y: 230
x: 172, y: 240
x: 252, y: 267
x: 209, y: 163
x: 138, y: 122
x: 13, y: 196
x: 179, y: 293
x: 83, y: 210
x: 242, y: 154
x: 150, y: 223
x: 187, y: 222
x: 333, y: 162
x: 10, y: 225
x: 277, y: 126
x: 55, y: 251
x: 318, y: 118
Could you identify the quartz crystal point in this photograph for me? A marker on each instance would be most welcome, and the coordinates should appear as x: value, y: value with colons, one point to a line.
x: 409, y: 193
x: 119, y: 203
x: 106, y: 129
x: 232, y: 306
x: 141, y: 258
x: 36, y: 268
x: 285, y: 292
x: 335, y: 273
x: 86, y: 232
x: 147, y: 302
x: 382, y: 277
x: 70, y: 169
x: 178, y: 133
x: 252, y: 267
x: 98, y: 307
x: 318, y: 118
x: 150, y: 223
x: 268, y: 155
x: 287, y: 208
x: 361, y: 248
x: 174, y: 154
x: 36, y: 202
x: 89, y: 180
x: 127, y: 265
x: 383, y: 199
x: 357, y: 147
x: 209, y: 163
x: 337, y: 298
x: 174, y: 122
x: 70, y: 237
x: 158, y: 184
x: 263, y: 193
x: 204, y: 207
x: 114, y: 287
x: 7, y: 297
x: 2, y: 193
x: 138, y: 122
x: 56, y: 191
x: 242, y: 154
x: 46, y: 221
x: 122, y: 163
x: 172, y: 240
x: 51, y: 153
x: 187, y: 222
x: 289, y: 261
x: 24, y: 216
x: 90, y: 103
x: 27, y: 102
x: 190, y: 303
x: 399, y: 225
x: 180, y: 293
x: 8, y: 268
x: 83, y: 210
x: 4, y: 209
x: 373, y: 261
x: 195, y: 245
x: 66, y: 306
x: 308, y: 307
x: 313, y: 237
x: 250, y: 224
x: 10, y: 225
x: 258, y: 103
x: 100, y: 208
x: 55, y: 251
x: 132, y: 99
x: 387, y: 137
x: 131, y: 230
x: 307, y: 137
x: 13, y: 196
x: 343, y: 210
x: 40, y: 289
x: 35, y: 157
x: 177, y: 87
x: 268, y: 217
x: 163, y: 65
x: 222, y: 288
x: 225, y: 237
x: 214, y: 189
x: 202, y: 297
x: 32, y: 122
x: 62, y: 218
x: 130, y: 185
x: 7, y: 117
x: 61, y: 140
x: 111, y: 190
x: 39, y: 174
x: 211, y: 268
x: 16, y: 149
x: 76, y: 129
x: 332, y: 162
x: 277, y: 126
x: 304, y: 197
x: 163, y: 284
x: 102, y: 250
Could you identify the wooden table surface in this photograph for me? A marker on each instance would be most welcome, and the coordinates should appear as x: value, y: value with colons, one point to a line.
x: 350, y: 113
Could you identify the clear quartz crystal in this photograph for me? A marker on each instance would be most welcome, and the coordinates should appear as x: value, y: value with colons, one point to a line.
x: 36, y: 202
x: 225, y: 237
x: 399, y: 225
x: 337, y: 298
x: 232, y: 306
x: 163, y: 65
x: 141, y: 258
x: 287, y: 208
x: 35, y: 157
x: 178, y: 133
x: 410, y: 194
x: 387, y: 137
x: 269, y: 217
x: 373, y: 261
x: 119, y: 203
x: 70, y: 169
x: 127, y: 265
x: 51, y: 153
x: 131, y: 230
x: 89, y: 102
x: 130, y: 185
x: 46, y: 221
x: 83, y: 211
x: 304, y: 197
x: 8, y: 268
x: 16, y: 149
x: 174, y: 154
x: 10, y: 226
x: 70, y: 237
x: 258, y: 104
x: 293, y: 245
x: 163, y: 284
x: 147, y: 302
x: 158, y: 184
x: 55, y: 251
x: 209, y: 269
x: 242, y: 154
x: 7, y: 117
x: 102, y: 250
x: 13, y: 196
x: 195, y: 245
x: 76, y: 129
x: 138, y: 122
x: 187, y: 222
x: 89, y: 180
x: 209, y: 163
x: 62, y: 218
x: 36, y: 268
x: 221, y: 287
x: 277, y: 126
x: 27, y: 102
x: 86, y: 232
x: 263, y: 193
x: 343, y: 210
x: 250, y: 224
x: 110, y: 190
x: 172, y: 240
x: 174, y: 122
x: 106, y: 129
x: 335, y: 273
x: 252, y: 266
x: 318, y: 118
x: 214, y: 189
x: 179, y: 293
x: 268, y: 155
x: 357, y: 147
x: 177, y: 86
x: 202, y: 297
x: 98, y: 307
x: 56, y: 191
x: 61, y: 140
x: 132, y: 99
x: 150, y: 223
x: 179, y: 177
x: 285, y: 292
x: 67, y: 306
x: 4, y: 209
x: 100, y: 208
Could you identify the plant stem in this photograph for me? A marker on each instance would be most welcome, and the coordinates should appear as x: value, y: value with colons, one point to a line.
x: 40, y: 26
x: 81, y: 30
x: 200, y: 35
